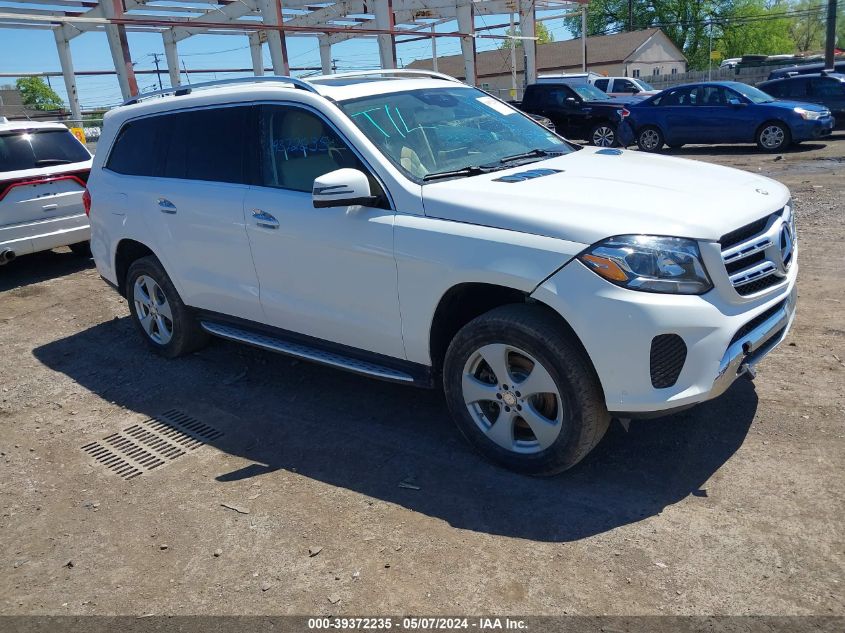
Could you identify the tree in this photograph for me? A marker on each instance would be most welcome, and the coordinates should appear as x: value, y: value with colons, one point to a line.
x: 746, y: 26
x: 541, y: 32
x: 808, y: 31
x: 36, y: 94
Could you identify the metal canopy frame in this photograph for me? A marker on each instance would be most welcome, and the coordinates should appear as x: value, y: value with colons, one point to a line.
x: 270, y: 22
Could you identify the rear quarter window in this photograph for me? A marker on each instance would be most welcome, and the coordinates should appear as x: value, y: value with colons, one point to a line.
x: 135, y: 150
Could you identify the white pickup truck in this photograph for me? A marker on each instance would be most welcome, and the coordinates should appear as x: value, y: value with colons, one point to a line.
x: 408, y: 227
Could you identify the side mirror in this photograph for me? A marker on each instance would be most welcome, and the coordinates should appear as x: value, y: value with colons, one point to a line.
x: 342, y: 188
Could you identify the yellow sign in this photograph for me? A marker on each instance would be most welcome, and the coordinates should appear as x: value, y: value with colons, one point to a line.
x: 715, y: 56
x: 79, y: 133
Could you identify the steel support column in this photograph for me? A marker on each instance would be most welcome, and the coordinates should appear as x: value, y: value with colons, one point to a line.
x: 325, y: 54
x: 271, y: 11
x: 65, y: 59
x: 386, y: 42
x: 119, y: 46
x: 529, y: 46
x: 256, y: 54
x: 172, y: 55
x: 466, y: 24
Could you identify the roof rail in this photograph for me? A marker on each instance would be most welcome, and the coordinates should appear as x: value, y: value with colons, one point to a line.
x: 410, y: 72
x: 183, y: 90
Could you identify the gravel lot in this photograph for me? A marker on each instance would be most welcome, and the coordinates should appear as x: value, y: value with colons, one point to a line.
x: 735, y: 507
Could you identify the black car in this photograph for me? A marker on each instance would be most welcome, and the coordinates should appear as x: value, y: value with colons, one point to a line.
x: 805, y: 69
x: 827, y: 89
x: 578, y: 111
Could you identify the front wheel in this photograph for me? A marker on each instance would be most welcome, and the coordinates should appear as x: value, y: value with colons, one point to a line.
x: 522, y: 393
x: 773, y: 137
x: 604, y: 135
x: 650, y: 139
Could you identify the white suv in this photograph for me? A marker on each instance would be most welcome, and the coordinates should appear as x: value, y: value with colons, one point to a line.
x: 415, y: 229
x: 43, y: 171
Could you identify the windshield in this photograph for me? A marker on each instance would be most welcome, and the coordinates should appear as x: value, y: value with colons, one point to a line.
x: 588, y: 92
x: 644, y: 85
x: 753, y: 94
x: 29, y: 149
x: 426, y: 132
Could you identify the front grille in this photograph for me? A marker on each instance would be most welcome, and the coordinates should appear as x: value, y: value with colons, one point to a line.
x: 757, y: 255
x: 756, y: 321
x: 668, y: 355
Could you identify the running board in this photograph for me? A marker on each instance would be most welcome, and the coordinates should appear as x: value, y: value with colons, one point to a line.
x: 305, y: 352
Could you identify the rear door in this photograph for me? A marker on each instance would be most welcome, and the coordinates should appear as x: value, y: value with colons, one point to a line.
x: 676, y: 115
x: 42, y: 175
x: 190, y: 193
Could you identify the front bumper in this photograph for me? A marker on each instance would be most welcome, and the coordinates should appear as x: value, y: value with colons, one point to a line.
x: 725, y: 337
x: 810, y: 130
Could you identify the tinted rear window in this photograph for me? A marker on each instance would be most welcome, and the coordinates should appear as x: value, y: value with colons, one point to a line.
x: 30, y: 149
x: 206, y: 144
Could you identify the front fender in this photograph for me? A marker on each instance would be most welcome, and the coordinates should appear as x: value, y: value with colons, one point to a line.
x: 434, y: 255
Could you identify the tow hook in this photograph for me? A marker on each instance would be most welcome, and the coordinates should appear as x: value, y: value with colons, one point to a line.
x: 750, y: 372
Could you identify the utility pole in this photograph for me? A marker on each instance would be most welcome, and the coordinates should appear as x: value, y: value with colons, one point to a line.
x: 513, y: 59
x: 584, y: 37
x: 830, y: 43
x: 630, y: 15
x: 710, y: 52
x: 158, y: 72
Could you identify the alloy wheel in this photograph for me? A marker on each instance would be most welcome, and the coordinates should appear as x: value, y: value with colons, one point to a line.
x: 604, y: 136
x: 649, y: 139
x: 513, y: 399
x: 153, y: 310
x: 772, y: 137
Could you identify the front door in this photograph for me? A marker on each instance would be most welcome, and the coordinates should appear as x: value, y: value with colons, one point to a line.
x: 326, y: 273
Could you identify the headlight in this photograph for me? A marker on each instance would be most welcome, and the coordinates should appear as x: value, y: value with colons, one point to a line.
x: 809, y: 115
x: 649, y: 263
x: 789, y: 218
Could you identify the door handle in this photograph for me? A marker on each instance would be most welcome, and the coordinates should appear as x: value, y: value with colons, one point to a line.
x: 264, y: 219
x: 165, y: 206
x: 49, y: 207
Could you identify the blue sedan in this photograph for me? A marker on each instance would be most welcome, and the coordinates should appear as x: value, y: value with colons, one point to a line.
x: 724, y: 112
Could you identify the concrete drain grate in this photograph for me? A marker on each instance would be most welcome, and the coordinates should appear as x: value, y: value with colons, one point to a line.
x: 147, y: 445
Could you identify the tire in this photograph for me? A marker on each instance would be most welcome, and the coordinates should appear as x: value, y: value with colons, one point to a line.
x: 164, y: 322
x: 604, y: 135
x: 81, y: 249
x: 773, y: 136
x: 650, y: 139
x: 531, y: 351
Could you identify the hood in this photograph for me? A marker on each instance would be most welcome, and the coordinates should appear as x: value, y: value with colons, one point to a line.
x: 813, y: 107
x: 615, y: 102
x: 599, y: 193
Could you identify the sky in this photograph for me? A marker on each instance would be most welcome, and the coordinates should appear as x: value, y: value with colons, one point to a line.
x: 34, y: 50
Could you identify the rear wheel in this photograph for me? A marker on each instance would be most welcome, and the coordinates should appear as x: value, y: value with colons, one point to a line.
x: 604, y: 135
x: 166, y: 324
x: 650, y: 139
x: 773, y: 137
x: 522, y: 393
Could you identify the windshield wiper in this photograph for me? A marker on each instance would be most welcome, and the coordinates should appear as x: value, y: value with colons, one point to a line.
x: 471, y: 170
x: 51, y: 161
x: 534, y: 153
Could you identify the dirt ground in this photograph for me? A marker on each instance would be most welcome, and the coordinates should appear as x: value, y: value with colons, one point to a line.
x: 734, y: 507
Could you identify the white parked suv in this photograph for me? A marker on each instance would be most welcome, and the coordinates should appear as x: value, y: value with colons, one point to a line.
x: 43, y: 171
x: 408, y: 227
